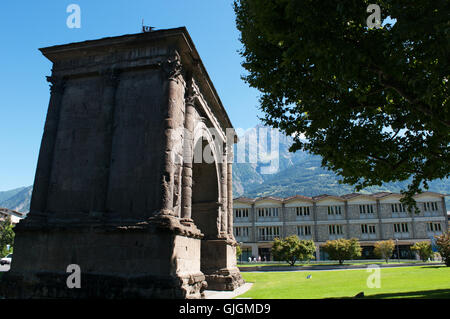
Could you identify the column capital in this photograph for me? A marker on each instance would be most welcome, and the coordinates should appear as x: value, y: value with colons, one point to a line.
x: 172, y: 66
x: 57, y: 83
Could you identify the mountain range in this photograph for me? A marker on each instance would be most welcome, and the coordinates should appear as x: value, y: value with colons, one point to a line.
x: 263, y: 166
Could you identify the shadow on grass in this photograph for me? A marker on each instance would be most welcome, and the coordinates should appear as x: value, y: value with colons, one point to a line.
x: 436, y: 266
x: 427, y: 294
x: 424, y: 294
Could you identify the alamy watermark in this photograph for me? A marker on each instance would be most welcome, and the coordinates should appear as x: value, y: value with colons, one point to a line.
x: 259, y: 146
x: 374, y: 20
x: 74, y: 19
x: 74, y: 279
x: 374, y: 280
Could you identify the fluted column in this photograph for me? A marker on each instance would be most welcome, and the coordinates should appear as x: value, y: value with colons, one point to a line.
x: 188, y: 154
x: 230, y: 191
x: 172, y: 69
x: 224, y: 211
x: 46, y: 152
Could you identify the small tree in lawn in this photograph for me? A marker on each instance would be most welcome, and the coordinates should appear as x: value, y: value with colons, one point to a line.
x: 238, y: 251
x: 443, y: 245
x: 384, y: 249
x: 6, y: 236
x: 292, y: 249
x: 423, y: 248
x: 342, y: 249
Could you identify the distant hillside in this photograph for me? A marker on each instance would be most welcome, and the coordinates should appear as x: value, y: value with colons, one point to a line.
x: 19, y: 200
x: 8, y: 194
x: 300, y: 173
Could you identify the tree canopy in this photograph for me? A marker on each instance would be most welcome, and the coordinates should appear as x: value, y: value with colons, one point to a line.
x: 384, y: 249
x: 6, y: 236
x: 374, y: 103
x: 342, y: 249
x: 443, y: 244
x: 424, y: 249
x: 292, y: 249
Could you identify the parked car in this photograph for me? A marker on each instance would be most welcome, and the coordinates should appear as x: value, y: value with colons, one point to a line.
x: 6, y: 260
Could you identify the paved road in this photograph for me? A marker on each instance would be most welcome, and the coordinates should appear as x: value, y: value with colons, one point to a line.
x: 4, y: 267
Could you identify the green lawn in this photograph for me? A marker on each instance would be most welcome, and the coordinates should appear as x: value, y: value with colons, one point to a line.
x: 403, y: 282
x: 333, y: 263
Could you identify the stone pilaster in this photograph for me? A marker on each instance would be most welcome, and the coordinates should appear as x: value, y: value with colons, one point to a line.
x: 44, y: 166
x: 188, y: 145
x: 316, y: 231
x: 253, y: 220
x: 378, y: 210
x: 224, y: 183
x: 110, y: 80
x: 230, y: 199
x: 172, y: 70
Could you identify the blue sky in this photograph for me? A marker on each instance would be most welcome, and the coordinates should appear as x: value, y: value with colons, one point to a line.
x: 25, y: 93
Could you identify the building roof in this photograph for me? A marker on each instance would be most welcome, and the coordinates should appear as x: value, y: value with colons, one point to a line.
x: 318, y: 198
x: 14, y: 215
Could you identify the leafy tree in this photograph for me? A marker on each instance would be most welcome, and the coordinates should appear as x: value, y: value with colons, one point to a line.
x: 292, y: 249
x: 342, y: 249
x: 384, y: 249
x: 6, y: 236
x: 443, y: 244
x: 423, y: 248
x: 238, y: 251
x: 374, y: 103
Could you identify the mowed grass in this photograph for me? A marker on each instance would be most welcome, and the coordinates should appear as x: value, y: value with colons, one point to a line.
x: 401, y: 282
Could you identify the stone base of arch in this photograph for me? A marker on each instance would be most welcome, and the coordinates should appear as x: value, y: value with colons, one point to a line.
x: 218, y: 263
x: 158, y: 258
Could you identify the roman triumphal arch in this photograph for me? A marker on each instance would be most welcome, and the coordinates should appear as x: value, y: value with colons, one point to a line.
x: 134, y: 177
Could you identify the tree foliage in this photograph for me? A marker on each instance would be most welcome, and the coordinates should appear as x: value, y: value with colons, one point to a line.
x: 6, y: 236
x: 443, y: 244
x: 374, y: 103
x: 342, y: 249
x: 384, y: 249
x: 423, y: 248
x: 292, y: 249
x: 238, y: 251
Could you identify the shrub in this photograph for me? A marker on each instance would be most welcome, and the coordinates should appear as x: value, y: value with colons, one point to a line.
x: 423, y: 248
x: 292, y: 249
x: 443, y: 244
x: 384, y: 249
x: 342, y: 249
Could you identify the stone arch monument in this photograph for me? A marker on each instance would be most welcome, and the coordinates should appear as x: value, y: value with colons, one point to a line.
x: 120, y: 188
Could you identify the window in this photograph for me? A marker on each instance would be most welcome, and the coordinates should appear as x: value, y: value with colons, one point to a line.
x: 401, y: 228
x: 302, y: 211
x: 303, y: 231
x: 334, y: 210
x: 268, y: 212
x: 268, y: 233
x: 434, y: 227
x: 335, y: 229
x: 241, y: 212
x: 368, y: 229
x: 430, y: 206
x: 241, y: 231
x: 366, y: 209
x: 398, y: 208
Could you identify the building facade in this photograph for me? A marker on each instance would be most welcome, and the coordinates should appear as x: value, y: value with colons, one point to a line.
x: 14, y: 216
x: 369, y: 218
